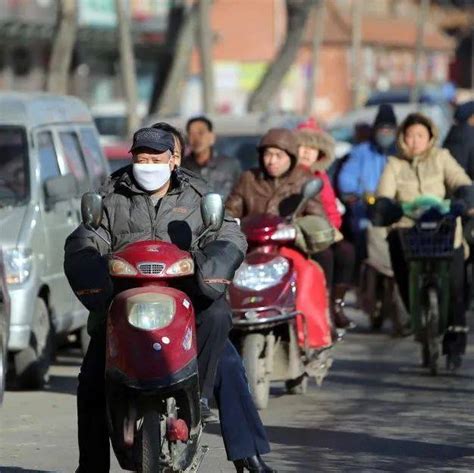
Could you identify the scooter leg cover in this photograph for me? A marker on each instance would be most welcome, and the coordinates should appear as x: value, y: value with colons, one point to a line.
x: 311, y: 300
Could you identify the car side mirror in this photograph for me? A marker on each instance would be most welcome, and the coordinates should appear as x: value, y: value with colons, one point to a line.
x: 310, y: 190
x: 59, y: 189
x: 212, y: 211
x: 92, y: 209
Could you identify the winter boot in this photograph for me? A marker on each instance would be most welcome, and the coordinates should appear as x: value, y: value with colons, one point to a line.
x: 337, y: 308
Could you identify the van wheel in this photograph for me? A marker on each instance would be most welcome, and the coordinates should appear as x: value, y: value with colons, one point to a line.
x: 32, y: 363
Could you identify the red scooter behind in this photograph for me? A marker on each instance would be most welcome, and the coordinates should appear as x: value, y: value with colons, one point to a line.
x: 152, y: 386
x: 268, y: 328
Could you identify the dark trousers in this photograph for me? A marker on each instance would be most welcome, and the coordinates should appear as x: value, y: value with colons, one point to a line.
x: 338, y: 263
x: 92, y: 423
x: 453, y: 342
x: 241, y: 427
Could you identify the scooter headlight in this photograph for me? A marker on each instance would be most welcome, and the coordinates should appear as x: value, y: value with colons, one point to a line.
x: 120, y: 267
x: 184, y: 267
x: 151, y: 311
x: 261, y: 276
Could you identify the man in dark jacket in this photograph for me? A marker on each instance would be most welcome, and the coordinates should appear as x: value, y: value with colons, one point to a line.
x: 220, y: 172
x: 148, y: 200
x: 460, y: 139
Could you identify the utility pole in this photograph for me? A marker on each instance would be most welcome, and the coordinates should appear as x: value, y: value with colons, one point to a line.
x: 127, y: 66
x: 356, y: 52
x: 205, y: 52
x: 318, y: 35
x: 63, y: 47
x: 422, y: 18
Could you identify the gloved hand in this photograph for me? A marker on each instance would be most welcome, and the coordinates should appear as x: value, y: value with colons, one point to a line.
x: 88, y: 274
x: 215, y: 266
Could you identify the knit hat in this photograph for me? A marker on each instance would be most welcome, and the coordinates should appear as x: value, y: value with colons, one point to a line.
x: 464, y: 111
x: 309, y: 124
x: 385, y: 117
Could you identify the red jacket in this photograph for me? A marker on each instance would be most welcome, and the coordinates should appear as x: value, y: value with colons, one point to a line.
x: 328, y: 199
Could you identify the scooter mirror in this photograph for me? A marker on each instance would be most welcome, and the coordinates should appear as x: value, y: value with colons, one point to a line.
x: 312, y: 188
x: 92, y: 209
x: 212, y: 211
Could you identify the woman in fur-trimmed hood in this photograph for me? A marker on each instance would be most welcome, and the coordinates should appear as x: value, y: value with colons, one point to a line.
x: 316, y: 153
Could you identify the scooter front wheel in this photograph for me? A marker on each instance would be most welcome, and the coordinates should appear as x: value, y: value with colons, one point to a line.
x: 254, y: 359
x: 151, y: 442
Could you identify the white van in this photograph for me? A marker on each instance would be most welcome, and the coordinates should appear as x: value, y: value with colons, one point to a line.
x: 49, y: 156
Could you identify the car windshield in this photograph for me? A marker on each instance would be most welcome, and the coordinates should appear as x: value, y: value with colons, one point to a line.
x: 13, y: 165
x: 111, y: 125
x: 244, y: 148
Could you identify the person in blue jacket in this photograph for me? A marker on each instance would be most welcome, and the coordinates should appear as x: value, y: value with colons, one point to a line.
x: 360, y: 175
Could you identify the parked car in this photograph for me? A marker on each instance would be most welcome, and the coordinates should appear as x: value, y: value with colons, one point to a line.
x: 4, y: 326
x: 117, y: 154
x: 111, y: 119
x: 238, y: 135
x: 49, y: 155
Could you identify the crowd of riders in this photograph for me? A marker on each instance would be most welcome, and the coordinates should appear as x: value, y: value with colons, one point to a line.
x: 400, y: 161
x: 393, y: 164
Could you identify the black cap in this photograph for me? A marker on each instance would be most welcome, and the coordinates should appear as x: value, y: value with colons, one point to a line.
x: 152, y: 138
x: 385, y: 117
x: 464, y: 111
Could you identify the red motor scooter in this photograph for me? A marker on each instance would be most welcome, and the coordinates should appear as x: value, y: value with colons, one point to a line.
x: 263, y: 300
x: 152, y: 387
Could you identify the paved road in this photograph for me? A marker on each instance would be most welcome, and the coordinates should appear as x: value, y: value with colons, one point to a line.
x: 377, y: 411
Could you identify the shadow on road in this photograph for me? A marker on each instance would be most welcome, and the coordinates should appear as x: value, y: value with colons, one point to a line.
x: 61, y: 385
x: 15, y: 469
x: 300, y: 448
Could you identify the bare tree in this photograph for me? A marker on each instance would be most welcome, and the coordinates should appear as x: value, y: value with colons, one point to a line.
x: 63, y: 47
x: 297, y: 16
x: 318, y: 35
x: 419, y: 48
x: 127, y: 66
x: 356, y: 52
x: 181, y: 33
x: 205, y: 52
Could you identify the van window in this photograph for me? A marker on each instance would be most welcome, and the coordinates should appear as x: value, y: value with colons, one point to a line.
x: 74, y: 158
x: 47, y: 156
x: 13, y: 165
x: 93, y: 155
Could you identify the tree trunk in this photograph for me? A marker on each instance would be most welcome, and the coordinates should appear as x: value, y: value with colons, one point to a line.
x: 297, y: 12
x: 169, y: 101
x: 166, y: 57
x: 356, y: 53
x: 318, y: 35
x: 205, y: 50
x: 420, y: 33
x: 63, y: 48
x: 127, y: 67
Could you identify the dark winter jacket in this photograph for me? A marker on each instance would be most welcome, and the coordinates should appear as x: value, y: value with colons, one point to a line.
x: 460, y: 143
x: 130, y: 216
x: 221, y: 173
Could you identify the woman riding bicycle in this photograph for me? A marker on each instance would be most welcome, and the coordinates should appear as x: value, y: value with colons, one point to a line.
x: 422, y: 169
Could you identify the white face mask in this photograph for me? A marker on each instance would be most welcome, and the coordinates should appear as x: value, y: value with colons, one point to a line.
x: 151, y: 177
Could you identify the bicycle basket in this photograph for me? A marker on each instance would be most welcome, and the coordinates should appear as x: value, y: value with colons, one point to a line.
x: 429, y: 240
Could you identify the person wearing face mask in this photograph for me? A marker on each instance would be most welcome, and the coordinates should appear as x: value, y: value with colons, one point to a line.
x: 219, y: 171
x: 421, y: 168
x: 150, y: 200
x: 359, y: 176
